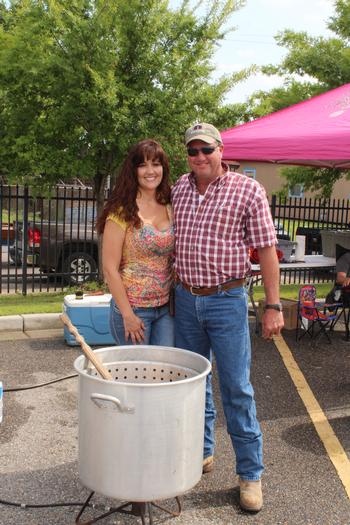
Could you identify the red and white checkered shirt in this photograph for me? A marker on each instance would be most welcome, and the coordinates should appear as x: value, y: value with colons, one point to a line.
x: 213, y: 236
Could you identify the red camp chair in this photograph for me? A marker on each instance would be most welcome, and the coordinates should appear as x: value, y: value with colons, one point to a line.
x: 315, y: 319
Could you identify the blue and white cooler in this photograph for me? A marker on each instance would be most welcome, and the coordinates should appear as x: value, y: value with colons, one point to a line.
x: 90, y: 315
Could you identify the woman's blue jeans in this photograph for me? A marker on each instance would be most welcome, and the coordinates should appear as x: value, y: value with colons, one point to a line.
x: 159, y: 325
x: 218, y: 324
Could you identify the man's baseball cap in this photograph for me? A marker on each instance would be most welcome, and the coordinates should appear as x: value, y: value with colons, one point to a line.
x: 203, y: 131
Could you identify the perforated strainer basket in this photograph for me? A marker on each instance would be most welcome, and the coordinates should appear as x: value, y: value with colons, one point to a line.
x: 146, y: 372
x: 148, y: 364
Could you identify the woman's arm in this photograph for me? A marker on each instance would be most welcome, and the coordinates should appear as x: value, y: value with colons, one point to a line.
x: 112, y: 247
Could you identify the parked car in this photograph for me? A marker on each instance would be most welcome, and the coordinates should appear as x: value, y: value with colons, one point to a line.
x: 7, y: 234
x: 67, y: 247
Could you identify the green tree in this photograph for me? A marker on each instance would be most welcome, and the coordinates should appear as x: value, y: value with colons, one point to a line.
x: 229, y: 115
x: 319, y: 180
x: 327, y: 62
x: 263, y: 103
x: 82, y: 80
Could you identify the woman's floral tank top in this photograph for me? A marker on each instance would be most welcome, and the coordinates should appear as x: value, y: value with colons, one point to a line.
x: 146, y: 266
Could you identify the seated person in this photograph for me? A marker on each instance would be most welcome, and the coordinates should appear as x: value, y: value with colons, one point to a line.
x: 343, y: 270
x: 340, y: 293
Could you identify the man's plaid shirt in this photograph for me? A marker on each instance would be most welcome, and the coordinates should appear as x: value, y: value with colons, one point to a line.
x: 213, y: 237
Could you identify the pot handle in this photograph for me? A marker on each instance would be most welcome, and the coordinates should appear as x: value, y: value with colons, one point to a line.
x: 111, y: 399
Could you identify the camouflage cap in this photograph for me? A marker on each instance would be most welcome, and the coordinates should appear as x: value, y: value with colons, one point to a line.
x: 203, y: 131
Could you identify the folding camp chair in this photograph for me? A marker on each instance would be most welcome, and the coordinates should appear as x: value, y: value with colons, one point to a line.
x: 315, y: 319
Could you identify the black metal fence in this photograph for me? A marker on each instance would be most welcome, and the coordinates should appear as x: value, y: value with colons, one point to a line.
x: 50, y: 243
x: 327, y: 214
x: 47, y: 243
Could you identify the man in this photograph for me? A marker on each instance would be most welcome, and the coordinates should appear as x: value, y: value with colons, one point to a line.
x: 218, y: 216
x: 343, y: 270
x: 340, y: 292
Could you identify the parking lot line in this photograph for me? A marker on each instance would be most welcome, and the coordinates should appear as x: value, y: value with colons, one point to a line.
x: 330, y: 441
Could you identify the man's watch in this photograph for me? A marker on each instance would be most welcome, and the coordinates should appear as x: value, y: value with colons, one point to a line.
x: 277, y: 307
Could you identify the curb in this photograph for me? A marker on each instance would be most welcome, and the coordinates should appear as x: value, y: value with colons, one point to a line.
x: 30, y: 322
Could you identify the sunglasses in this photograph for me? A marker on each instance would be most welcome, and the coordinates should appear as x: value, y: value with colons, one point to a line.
x: 206, y: 150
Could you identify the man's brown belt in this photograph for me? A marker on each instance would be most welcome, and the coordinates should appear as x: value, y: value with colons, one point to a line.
x: 202, y: 290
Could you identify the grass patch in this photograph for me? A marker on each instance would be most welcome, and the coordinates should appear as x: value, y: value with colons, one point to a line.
x: 291, y: 291
x: 36, y: 303
x: 42, y: 302
x: 51, y: 302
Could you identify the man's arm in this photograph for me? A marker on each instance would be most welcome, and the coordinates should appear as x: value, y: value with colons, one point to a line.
x: 272, y: 320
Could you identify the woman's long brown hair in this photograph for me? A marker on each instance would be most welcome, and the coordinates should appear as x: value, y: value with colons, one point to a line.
x: 122, y: 199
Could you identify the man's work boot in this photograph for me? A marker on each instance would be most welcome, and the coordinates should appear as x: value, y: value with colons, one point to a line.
x: 208, y: 464
x: 250, y: 495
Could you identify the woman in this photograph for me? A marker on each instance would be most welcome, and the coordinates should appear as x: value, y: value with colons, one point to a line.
x: 138, y: 247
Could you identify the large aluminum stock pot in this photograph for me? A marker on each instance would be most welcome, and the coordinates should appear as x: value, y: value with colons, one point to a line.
x: 141, y: 436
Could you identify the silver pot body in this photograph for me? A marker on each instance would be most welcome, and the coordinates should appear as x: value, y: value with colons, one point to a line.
x: 141, y: 436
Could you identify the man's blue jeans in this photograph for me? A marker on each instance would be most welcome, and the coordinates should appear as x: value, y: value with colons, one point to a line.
x: 218, y: 324
x: 159, y: 325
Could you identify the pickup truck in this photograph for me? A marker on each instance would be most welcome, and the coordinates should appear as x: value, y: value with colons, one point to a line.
x: 67, y: 249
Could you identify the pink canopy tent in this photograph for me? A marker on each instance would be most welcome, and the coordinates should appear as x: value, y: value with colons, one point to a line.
x: 315, y: 132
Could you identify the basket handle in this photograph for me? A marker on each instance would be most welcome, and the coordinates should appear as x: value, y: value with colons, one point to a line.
x: 89, y: 353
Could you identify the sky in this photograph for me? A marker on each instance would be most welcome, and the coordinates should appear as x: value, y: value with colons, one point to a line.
x: 253, y: 43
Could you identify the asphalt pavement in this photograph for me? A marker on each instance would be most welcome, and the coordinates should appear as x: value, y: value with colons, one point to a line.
x: 39, y: 447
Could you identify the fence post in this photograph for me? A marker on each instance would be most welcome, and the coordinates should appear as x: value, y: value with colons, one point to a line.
x: 25, y: 239
x: 273, y: 206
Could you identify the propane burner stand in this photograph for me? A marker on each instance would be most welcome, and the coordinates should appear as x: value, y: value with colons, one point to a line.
x: 141, y: 509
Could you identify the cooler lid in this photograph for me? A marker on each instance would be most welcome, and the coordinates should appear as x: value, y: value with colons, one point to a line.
x: 88, y: 300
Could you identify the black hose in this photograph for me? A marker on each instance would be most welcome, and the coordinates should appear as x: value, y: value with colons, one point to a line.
x: 46, y: 505
x: 19, y: 388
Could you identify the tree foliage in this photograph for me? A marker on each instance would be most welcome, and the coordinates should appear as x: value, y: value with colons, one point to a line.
x: 263, y: 103
x: 229, y: 115
x: 326, y: 61
x: 319, y: 180
x: 324, y: 64
x: 82, y: 80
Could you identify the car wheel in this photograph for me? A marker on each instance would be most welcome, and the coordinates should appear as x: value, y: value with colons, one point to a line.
x: 15, y: 257
x: 79, y: 267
